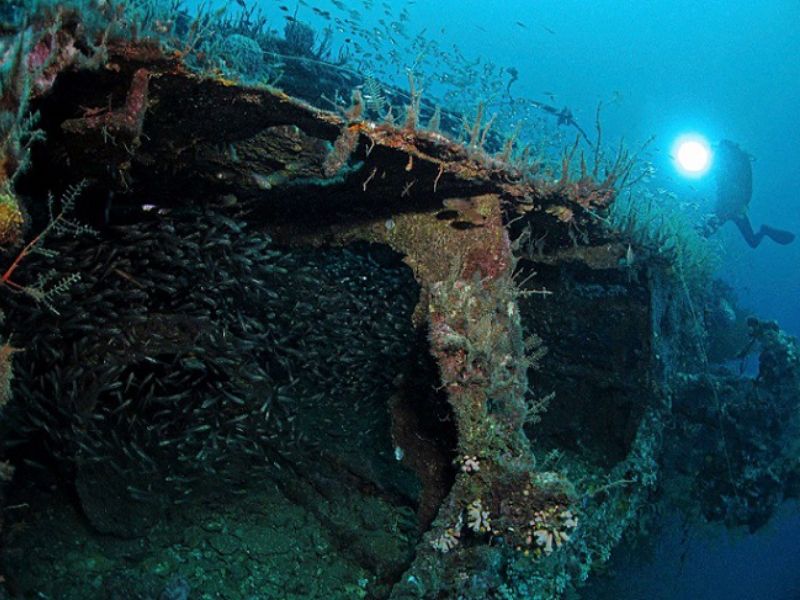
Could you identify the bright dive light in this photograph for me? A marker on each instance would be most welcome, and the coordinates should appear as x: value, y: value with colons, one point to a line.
x: 693, y: 155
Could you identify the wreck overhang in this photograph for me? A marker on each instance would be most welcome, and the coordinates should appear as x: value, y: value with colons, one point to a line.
x: 150, y: 137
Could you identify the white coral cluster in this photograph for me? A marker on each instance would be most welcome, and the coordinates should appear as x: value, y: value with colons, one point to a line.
x: 446, y: 542
x: 449, y: 539
x: 548, y: 532
x: 477, y: 518
x: 478, y: 521
x: 470, y: 464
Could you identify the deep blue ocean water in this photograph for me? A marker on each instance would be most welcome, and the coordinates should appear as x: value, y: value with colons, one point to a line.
x: 721, y: 69
x: 709, y: 564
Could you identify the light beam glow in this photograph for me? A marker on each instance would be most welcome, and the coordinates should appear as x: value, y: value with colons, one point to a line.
x: 692, y: 155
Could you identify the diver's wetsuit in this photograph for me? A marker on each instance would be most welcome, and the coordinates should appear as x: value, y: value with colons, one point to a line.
x: 734, y: 189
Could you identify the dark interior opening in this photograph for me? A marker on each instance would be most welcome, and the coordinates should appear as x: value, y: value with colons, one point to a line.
x: 597, y: 353
x: 205, y: 410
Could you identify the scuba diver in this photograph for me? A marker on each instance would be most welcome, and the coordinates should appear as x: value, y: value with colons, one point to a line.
x: 734, y: 188
x: 564, y: 116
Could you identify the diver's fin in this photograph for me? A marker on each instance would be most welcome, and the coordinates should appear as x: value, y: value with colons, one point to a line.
x: 777, y: 235
x: 752, y: 239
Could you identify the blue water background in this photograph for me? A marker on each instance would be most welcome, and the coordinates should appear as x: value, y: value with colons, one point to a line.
x: 725, y: 69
